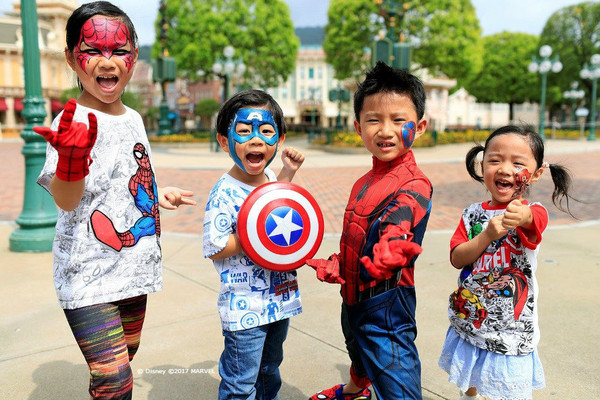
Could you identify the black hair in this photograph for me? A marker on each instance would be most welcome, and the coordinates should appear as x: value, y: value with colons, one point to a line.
x: 561, y: 176
x: 245, y: 99
x: 383, y: 78
x: 87, y: 11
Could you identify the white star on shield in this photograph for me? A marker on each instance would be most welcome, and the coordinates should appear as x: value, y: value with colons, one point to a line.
x: 285, y: 226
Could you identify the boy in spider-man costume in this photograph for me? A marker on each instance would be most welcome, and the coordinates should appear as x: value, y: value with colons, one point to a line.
x: 384, y: 224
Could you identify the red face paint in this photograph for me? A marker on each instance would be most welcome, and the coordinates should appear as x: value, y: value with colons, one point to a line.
x: 104, y: 37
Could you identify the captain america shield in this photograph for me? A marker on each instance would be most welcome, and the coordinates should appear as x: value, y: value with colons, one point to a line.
x: 280, y: 226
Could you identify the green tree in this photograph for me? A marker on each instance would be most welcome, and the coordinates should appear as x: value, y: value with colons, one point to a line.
x: 130, y: 99
x: 445, y: 35
x: 573, y: 32
x: 261, y: 31
x: 72, y: 93
x: 505, y: 78
x: 205, y: 109
x: 448, y: 36
x: 133, y: 100
x: 347, y: 34
x: 152, y: 115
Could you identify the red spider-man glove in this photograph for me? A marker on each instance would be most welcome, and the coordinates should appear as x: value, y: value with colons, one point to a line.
x: 327, y: 270
x: 390, y: 253
x: 73, y: 141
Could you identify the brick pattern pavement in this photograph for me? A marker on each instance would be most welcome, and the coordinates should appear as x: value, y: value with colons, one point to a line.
x: 453, y: 190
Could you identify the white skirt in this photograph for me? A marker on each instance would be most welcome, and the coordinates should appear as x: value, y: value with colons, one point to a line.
x: 496, y: 376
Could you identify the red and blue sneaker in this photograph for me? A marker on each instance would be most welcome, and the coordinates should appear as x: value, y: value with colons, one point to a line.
x: 336, y: 393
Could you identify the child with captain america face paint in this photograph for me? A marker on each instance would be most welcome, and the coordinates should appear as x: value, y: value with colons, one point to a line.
x: 254, y: 303
x: 250, y: 128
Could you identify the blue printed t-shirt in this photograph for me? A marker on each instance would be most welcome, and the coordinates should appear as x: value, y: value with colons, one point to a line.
x: 250, y: 295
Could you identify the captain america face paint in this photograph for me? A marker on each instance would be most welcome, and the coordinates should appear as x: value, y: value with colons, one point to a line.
x: 104, y: 37
x: 246, y: 125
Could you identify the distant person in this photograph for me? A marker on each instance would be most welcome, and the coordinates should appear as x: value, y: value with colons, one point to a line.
x: 255, y: 304
x: 384, y: 224
x: 98, y: 169
x: 491, y: 345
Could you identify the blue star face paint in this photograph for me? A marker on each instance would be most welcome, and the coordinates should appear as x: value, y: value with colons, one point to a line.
x: 408, y: 133
x: 254, y: 118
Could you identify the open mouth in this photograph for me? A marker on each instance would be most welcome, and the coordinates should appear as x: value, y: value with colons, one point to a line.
x: 385, y: 145
x: 107, y: 82
x: 255, y: 158
x: 504, y: 186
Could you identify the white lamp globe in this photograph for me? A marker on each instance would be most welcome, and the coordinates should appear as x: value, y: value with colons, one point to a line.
x: 228, y: 51
x: 545, y: 51
x: 532, y: 67
x: 545, y: 66
x: 229, y: 67
x: 557, y: 67
x: 585, y: 74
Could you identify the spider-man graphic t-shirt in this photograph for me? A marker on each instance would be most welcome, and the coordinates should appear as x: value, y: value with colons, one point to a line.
x: 108, y: 248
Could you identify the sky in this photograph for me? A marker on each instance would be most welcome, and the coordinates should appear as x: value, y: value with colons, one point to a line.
x: 528, y: 16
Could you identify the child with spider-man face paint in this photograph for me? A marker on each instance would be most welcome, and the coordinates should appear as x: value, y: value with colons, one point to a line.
x: 255, y: 304
x: 98, y: 168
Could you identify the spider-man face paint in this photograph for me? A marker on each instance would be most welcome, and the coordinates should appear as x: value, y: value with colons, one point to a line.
x: 408, y: 133
x: 253, y: 122
x: 103, y: 37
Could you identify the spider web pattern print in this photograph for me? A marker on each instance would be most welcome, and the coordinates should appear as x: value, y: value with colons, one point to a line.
x: 105, y: 35
x: 393, y: 195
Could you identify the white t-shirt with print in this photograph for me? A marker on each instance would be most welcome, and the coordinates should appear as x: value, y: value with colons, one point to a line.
x: 86, y: 270
x: 495, y: 305
x: 250, y: 295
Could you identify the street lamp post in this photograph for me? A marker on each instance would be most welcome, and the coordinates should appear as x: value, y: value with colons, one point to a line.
x: 163, y: 72
x: 544, y: 65
x: 573, y: 94
x: 227, y: 67
x: 390, y: 47
x: 339, y: 95
x: 592, y: 71
x: 312, y: 90
x: 38, y: 218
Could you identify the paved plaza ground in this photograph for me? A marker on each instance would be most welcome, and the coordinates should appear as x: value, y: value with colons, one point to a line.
x: 182, y: 341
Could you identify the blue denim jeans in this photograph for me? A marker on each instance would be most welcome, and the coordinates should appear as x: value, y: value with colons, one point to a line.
x: 384, y: 328
x: 249, y: 365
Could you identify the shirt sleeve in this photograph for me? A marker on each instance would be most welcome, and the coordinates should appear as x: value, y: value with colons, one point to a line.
x: 219, y: 223
x: 540, y: 221
x: 459, y: 237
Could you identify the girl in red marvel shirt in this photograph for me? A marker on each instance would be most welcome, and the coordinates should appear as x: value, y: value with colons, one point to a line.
x: 491, y: 345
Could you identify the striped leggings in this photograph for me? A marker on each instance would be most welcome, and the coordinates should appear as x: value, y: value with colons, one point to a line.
x: 109, y: 335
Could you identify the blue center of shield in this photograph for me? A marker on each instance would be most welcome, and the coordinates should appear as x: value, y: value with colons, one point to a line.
x: 284, y: 226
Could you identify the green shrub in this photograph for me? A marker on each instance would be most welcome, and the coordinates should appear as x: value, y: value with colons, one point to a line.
x: 564, y: 134
x: 178, y: 138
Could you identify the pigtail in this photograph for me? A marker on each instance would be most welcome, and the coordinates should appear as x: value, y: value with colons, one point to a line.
x: 471, y: 162
x: 561, y: 177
